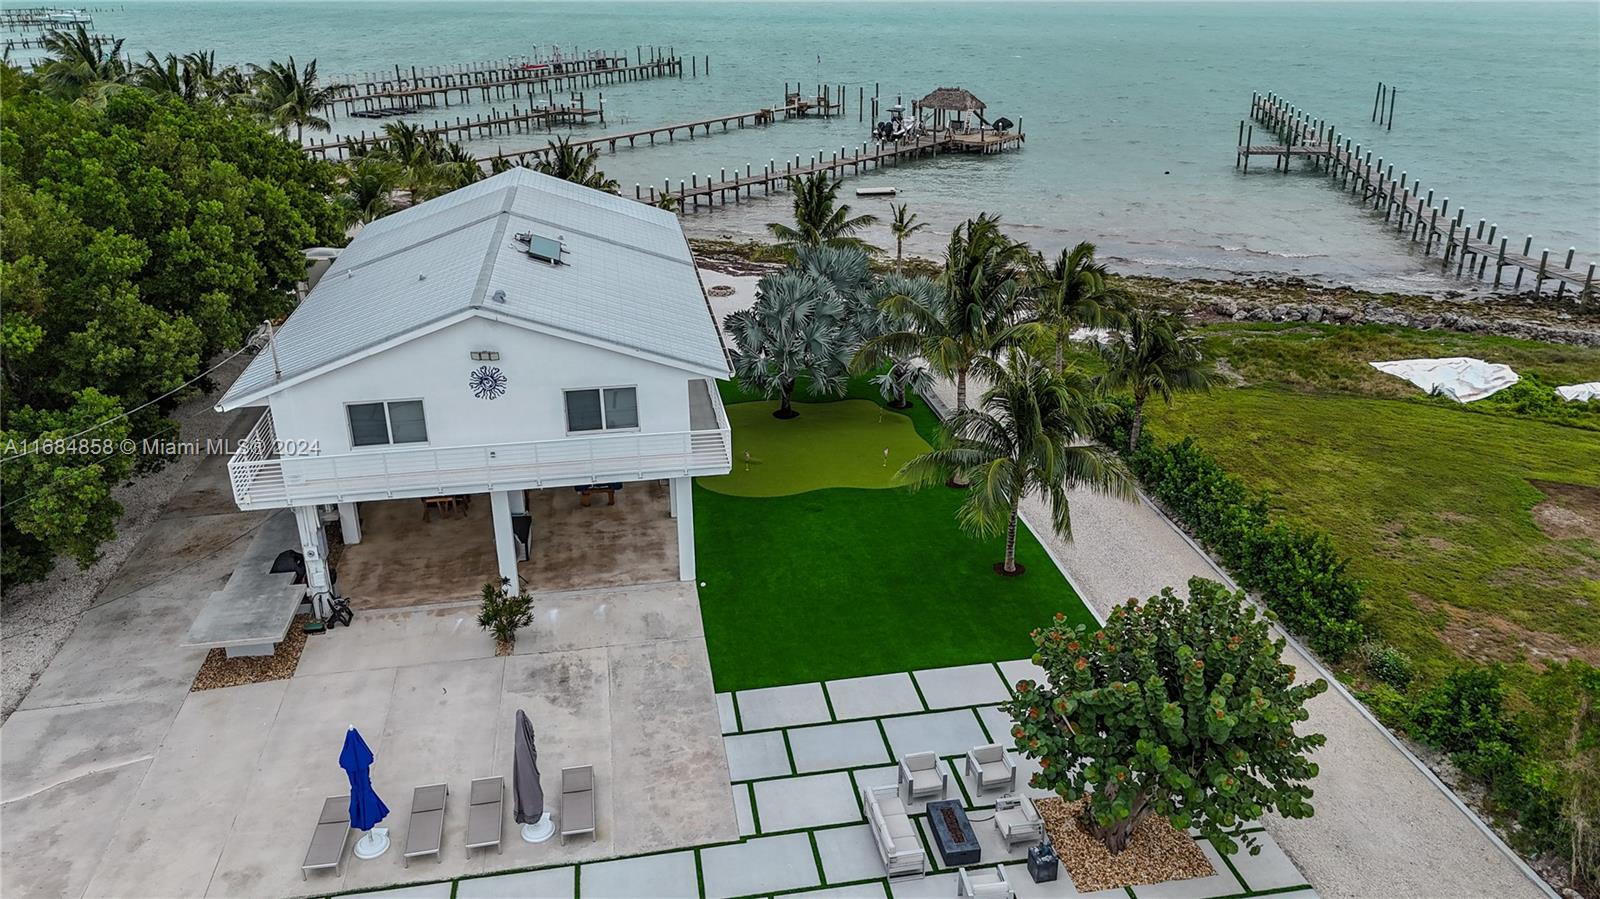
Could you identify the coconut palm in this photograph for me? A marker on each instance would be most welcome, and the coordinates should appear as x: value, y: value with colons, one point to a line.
x: 795, y: 329
x: 424, y: 162
x: 1070, y: 293
x: 161, y: 76
x: 1026, y: 436
x: 819, y: 218
x: 82, y: 66
x: 369, y: 186
x: 580, y: 165
x: 902, y: 225
x: 1153, y: 355
x: 288, y: 96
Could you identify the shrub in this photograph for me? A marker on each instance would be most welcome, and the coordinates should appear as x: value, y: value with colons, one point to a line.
x: 1387, y: 664
x: 1465, y: 714
x: 504, y: 613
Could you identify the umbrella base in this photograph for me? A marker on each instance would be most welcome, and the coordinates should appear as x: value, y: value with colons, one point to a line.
x: 540, y: 830
x: 374, y: 844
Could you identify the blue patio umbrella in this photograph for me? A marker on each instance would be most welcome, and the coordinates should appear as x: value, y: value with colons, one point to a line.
x: 366, y: 809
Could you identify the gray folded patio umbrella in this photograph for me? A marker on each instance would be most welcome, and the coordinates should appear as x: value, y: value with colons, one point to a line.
x: 526, y: 791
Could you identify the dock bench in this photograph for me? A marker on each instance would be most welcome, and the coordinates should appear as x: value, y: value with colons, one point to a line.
x: 251, y: 614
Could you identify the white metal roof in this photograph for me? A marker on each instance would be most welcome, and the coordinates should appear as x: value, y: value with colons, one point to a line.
x: 627, y: 280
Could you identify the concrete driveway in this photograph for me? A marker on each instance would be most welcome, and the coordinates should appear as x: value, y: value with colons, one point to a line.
x: 117, y: 781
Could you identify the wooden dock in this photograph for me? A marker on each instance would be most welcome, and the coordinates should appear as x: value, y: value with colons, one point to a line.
x: 1403, y: 201
x: 867, y: 157
x: 493, y: 124
x: 505, y: 82
x: 45, y: 18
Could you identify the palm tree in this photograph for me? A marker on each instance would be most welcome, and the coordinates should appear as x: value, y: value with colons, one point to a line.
x: 1061, y: 297
x: 819, y: 218
x: 795, y: 329
x: 425, y: 164
x: 1154, y: 355
x: 903, y: 225
x: 286, y: 95
x: 580, y: 165
x: 82, y: 66
x: 1026, y: 436
x: 160, y: 76
x: 369, y: 186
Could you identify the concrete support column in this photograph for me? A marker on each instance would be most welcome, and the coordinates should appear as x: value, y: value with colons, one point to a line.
x: 314, y: 546
x: 519, y: 502
x: 350, y: 523
x: 672, y: 497
x: 505, y: 542
x: 683, y: 511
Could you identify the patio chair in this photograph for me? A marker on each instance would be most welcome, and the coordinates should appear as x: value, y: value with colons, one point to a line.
x: 577, y: 802
x: 425, y: 830
x: 329, y: 838
x: 1017, y: 820
x: 485, y: 814
x: 984, y: 883
x: 989, y: 768
x: 920, y: 776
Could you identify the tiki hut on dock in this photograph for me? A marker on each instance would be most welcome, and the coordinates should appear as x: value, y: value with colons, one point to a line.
x: 945, y: 100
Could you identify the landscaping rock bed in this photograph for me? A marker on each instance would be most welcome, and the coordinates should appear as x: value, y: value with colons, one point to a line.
x: 1157, y: 853
x: 220, y: 671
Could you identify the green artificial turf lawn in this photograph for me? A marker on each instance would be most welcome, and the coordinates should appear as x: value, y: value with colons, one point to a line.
x: 1431, y: 503
x: 844, y: 581
x: 830, y: 445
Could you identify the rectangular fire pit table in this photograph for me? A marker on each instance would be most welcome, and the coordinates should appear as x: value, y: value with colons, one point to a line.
x: 953, y: 833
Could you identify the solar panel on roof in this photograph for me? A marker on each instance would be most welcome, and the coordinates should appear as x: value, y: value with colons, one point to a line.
x: 544, y: 249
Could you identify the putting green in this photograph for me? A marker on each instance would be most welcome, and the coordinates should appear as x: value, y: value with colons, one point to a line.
x: 837, y: 444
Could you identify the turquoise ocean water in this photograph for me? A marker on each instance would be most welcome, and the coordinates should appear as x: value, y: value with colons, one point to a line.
x: 1131, y: 109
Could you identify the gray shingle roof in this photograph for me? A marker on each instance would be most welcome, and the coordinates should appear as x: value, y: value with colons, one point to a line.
x: 627, y: 278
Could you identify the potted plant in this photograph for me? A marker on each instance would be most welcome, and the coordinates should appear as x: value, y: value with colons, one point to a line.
x: 504, y: 613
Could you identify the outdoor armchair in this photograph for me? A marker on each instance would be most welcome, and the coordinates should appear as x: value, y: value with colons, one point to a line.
x: 1017, y: 820
x: 984, y: 883
x: 920, y: 776
x: 989, y: 768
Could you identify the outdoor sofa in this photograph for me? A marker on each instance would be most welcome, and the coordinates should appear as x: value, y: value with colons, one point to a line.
x: 899, y: 848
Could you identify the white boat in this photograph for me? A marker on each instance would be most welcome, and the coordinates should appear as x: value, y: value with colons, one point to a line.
x: 69, y: 17
x: 875, y: 191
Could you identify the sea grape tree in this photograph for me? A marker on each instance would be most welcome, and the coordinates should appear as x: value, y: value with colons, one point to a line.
x: 1178, y: 708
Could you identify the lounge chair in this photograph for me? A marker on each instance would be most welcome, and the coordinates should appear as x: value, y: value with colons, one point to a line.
x: 898, y: 846
x: 330, y: 836
x: 577, y: 802
x: 485, y: 814
x: 425, y: 830
x: 920, y: 776
x: 984, y: 883
x: 1017, y: 820
x: 989, y: 768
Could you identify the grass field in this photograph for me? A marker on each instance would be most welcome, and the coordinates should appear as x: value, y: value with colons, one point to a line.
x: 1475, y: 532
x: 837, y: 581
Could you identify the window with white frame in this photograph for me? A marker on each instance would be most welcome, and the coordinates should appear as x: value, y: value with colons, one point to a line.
x: 380, y: 424
x: 602, y: 409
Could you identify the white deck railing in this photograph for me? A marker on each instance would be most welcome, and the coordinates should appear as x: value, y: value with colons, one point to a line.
x: 263, y: 480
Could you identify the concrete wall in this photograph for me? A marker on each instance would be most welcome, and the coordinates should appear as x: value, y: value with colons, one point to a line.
x: 435, y: 369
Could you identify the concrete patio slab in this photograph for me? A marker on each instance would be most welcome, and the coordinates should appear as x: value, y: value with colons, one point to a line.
x: 961, y: 685
x: 848, y: 853
x: 934, y: 886
x: 1061, y: 888
x: 756, y: 755
x: 418, y: 891
x: 387, y: 638
x: 649, y: 613
x: 1021, y: 669
x: 828, y: 747
x: 856, y: 891
x: 550, y: 883
x: 1222, y: 883
x: 55, y: 839
x: 741, y: 809
x: 889, y: 775
x: 997, y: 723
x: 50, y: 746
x: 725, y: 713
x: 1268, y: 870
x: 946, y: 733
x: 782, y: 706
x: 874, y: 696
x: 761, y: 865
x: 794, y: 802
x: 669, y: 875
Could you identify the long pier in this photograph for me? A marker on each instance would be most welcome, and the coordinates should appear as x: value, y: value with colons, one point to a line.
x: 503, y: 83
x: 495, y: 122
x: 45, y: 18
x: 861, y: 159
x: 1413, y: 211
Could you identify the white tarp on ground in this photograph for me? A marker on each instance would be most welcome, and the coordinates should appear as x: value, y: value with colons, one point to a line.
x: 1458, y: 377
x: 1094, y: 335
x: 1580, y: 393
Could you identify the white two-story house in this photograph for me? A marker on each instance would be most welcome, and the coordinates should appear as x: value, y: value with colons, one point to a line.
x: 517, y: 334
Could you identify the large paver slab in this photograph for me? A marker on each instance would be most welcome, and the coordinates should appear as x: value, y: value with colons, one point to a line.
x: 849, y: 853
x: 741, y: 809
x: 934, y: 886
x: 419, y: 891
x: 1270, y: 869
x: 947, y: 733
x: 756, y: 755
x: 551, y: 883
x: 962, y: 685
x: 1022, y: 669
x: 873, y: 696
x: 761, y: 865
x: 1060, y: 888
x: 998, y: 724
x: 828, y: 747
x: 666, y: 876
x: 855, y: 891
x: 725, y: 713
x: 782, y: 706
x: 789, y: 803
x: 1222, y: 883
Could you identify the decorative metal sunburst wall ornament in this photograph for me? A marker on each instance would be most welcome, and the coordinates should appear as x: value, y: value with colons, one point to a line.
x: 487, y: 383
